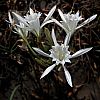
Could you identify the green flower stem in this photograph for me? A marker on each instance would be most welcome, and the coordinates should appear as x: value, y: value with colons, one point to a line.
x: 24, y: 38
x: 30, y: 47
x: 13, y: 92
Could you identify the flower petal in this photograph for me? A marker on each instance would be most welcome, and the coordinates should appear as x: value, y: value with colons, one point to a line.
x: 54, y: 38
x: 77, y: 14
x: 62, y: 15
x: 50, y: 14
x: 87, y: 21
x: 41, y: 52
x: 80, y: 52
x: 43, y: 24
x: 10, y: 19
x: 58, y: 23
x: 47, y: 70
x: 20, y: 18
x: 68, y: 76
x: 31, y: 12
x: 35, y: 25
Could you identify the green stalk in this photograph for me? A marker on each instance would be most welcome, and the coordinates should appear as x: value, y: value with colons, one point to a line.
x: 29, y: 46
x: 13, y: 92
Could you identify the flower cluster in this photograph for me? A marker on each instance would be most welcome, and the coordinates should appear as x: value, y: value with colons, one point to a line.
x: 30, y: 22
x: 59, y: 53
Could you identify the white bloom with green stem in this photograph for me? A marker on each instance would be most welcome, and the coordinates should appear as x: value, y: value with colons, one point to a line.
x: 60, y: 55
x: 20, y: 28
x: 70, y: 21
x: 32, y: 20
x: 22, y: 31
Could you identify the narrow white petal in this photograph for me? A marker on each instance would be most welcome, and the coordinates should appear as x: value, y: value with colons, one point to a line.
x: 62, y: 15
x: 87, y: 21
x: 92, y: 17
x: 77, y: 14
x: 50, y: 14
x: 10, y: 19
x: 41, y: 52
x: 31, y: 12
x: 58, y: 23
x: 80, y: 52
x: 47, y: 70
x: 47, y: 22
x: 68, y: 76
x: 97, y: 50
x: 20, y: 18
x: 67, y: 60
x: 54, y: 38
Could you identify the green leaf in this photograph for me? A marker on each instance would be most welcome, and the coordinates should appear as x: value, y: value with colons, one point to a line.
x: 43, y: 62
x: 48, y: 36
x: 13, y: 92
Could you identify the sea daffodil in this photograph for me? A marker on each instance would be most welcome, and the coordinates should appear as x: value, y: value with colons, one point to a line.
x: 32, y: 20
x: 60, y: 55
x: 70, y: 21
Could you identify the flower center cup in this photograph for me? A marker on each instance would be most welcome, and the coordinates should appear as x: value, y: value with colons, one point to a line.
x: 60, y: 52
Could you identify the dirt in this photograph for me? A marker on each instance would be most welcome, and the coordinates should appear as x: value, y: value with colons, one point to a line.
x: 19, y: 72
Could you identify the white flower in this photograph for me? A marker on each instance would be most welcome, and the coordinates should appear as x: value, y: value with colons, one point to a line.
x: 19, y: 19
x: 70, y: 21
x: 21, y: 29
x: 11, y: 21
x: 60, y: 55
x: 49, y: 15
x: 32, y: 20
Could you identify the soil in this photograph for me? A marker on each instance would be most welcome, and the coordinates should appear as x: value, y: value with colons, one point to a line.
x: 20, y: 74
